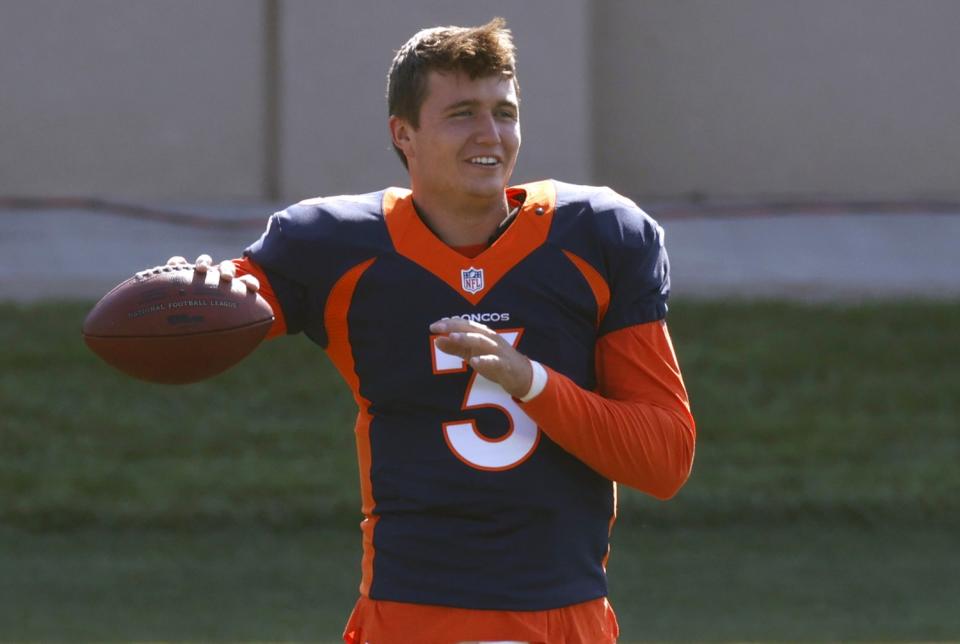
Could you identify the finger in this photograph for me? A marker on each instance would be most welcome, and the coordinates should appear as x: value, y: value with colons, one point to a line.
x: 450, y: 325
x: 228, y: 270
x: 203, y: 263
x: 492, y: 367
x: 480, y: 326
x: 476, y: 327
x: 467, y: 344
x: 448, y: 346
x: 485, y: 364
x: 475, y: 340
x: 454, y: 347
x: 515, y: 376
x: 251, y: 281
x: 175, y: 260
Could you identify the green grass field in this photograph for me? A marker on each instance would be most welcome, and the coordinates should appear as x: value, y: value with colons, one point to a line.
x: 824, y: 504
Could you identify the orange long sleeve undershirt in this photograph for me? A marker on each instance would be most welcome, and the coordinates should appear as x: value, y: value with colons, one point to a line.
x: 637, y: 428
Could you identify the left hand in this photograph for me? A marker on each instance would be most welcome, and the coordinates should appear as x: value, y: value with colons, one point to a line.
x: 487, y: 352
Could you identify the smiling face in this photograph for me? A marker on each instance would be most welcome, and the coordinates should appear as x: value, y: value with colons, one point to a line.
x: 465, y: 147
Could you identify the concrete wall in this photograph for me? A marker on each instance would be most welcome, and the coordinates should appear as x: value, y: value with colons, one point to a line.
x: 260, y: 99
x: 772, y: 97
x: 170, y: 100
x: 131, y: 99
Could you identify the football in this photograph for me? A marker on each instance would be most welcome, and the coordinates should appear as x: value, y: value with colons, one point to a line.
x: 172, y: 325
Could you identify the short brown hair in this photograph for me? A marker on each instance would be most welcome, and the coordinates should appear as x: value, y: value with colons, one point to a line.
x: 481, y: 51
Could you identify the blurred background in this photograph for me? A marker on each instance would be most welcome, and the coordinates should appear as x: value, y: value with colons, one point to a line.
x: 802, y: 155
x: 281, y: 100
x: 227, y: 109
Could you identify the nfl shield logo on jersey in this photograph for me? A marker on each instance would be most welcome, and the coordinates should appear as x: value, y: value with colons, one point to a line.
x: 472, y: 280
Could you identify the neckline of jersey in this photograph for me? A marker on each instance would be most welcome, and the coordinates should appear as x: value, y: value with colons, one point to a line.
x: 414, y: 240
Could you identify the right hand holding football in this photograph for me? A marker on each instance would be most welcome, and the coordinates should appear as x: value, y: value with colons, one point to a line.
x: 227, y: 269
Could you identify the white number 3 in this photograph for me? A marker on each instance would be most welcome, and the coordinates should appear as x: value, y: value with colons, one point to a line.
x: 468, y: 444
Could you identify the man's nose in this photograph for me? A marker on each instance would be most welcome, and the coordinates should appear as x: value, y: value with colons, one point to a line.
x: 487, y: 129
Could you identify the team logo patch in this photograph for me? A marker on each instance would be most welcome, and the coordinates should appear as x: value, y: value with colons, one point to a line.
x: 471, y: 279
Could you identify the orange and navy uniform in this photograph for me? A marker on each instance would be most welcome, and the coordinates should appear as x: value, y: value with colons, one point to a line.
x: 473, y: 500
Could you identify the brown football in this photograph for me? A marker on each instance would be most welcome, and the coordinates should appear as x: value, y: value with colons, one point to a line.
x: 172, y: 325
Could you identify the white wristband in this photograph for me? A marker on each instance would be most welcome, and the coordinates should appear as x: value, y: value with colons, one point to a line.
x: 539, y: 382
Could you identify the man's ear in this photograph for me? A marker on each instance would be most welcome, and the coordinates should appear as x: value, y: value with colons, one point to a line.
x: 400, y: 131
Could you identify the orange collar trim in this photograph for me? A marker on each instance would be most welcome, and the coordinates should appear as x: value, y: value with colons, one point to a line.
x: 471, y: 277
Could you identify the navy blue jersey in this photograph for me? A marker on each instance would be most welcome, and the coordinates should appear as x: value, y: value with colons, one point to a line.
x: 466, y: 502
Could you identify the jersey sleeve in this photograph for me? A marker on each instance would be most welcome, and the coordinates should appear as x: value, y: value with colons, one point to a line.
x: 309, y: 246
x: 275, y: 257
x: 246, y: 266
x: 636, y: 263
x: 637, y: 428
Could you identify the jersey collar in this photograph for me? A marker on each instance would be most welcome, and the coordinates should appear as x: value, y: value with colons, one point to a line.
x: 472, y: 277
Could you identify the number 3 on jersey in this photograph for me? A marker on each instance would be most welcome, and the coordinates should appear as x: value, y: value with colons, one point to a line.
x: 468, y: 444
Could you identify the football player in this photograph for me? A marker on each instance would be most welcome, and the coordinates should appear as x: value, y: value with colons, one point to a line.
x: 507, y: 349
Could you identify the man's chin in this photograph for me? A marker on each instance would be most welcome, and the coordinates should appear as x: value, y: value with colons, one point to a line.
x: 486, y: 189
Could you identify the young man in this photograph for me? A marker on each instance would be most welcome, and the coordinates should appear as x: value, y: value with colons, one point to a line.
x: 507, y: 350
